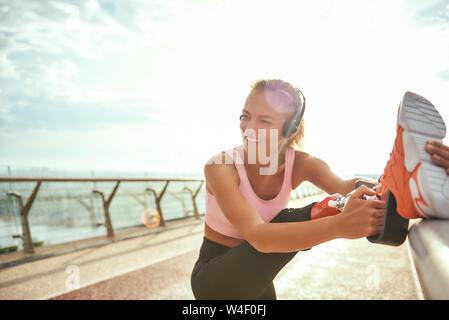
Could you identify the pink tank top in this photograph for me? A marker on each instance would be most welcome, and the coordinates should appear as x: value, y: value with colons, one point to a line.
x: 267, y: 209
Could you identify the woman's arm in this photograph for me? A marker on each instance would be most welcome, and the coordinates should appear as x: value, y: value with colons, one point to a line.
x: 349, y: 184
x: 360, y: 220
x: 319, y: 173
x: 438, y: 151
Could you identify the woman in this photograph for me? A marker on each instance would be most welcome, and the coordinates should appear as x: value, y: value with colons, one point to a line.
x: 249, y: 235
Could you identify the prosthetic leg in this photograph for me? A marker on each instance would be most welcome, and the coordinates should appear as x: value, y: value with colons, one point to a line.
x: 395, y: 227
x: 414, y: 185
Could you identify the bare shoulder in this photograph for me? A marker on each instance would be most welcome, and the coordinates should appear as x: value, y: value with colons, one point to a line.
x: 219, y: 158
x: 301, y: 155
x: 302, y: 166
x: 309, y: 163
x: 220, y: 169
x: 302, y: 160
x: 317, y: 171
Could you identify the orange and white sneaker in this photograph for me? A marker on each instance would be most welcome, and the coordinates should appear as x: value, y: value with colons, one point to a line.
x: 420, y: 187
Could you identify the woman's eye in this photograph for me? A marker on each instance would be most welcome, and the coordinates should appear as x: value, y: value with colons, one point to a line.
x: 242, y: 116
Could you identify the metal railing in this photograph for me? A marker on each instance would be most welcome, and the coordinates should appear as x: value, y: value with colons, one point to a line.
x: 429, y: 242
x: 24, y: 209
x: 305, y: 190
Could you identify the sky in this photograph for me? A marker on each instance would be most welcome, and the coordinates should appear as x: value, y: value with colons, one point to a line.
x: 159, y: 85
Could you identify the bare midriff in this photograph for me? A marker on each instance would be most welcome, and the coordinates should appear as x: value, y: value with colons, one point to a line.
x: 220, y: 238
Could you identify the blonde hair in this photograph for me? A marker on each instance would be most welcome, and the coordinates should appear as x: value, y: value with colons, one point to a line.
x: 295, y: 142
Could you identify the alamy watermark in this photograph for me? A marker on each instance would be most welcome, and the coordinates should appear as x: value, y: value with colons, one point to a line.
x: 257, y: 150
x: 73, y: 279
x: 372, y: 282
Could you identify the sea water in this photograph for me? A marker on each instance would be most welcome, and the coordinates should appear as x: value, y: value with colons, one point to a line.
x: 69, y: 211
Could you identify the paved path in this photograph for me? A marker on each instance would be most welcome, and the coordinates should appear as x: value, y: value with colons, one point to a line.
x: 158, y: 266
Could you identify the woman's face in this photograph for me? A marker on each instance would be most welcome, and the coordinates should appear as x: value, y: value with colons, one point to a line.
x: 264, y: 109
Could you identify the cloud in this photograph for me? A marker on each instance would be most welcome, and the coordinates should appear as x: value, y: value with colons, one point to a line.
x: 7, y: 69
x: 436, y: 13
x: 60, y: 27
x: 30, y: 112
x: 52, y: 61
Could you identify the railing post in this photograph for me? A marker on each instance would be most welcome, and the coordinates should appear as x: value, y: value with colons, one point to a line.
x: 193, y: 195
x: 28, y: 246
x: 106, y: 204
x: 157, y: 199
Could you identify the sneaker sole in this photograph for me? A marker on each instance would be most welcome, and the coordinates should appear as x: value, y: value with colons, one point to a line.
x: 422, y: 122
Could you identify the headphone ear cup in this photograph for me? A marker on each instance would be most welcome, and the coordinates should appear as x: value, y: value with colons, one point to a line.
x: 292, y: 125
x: 287, y: 129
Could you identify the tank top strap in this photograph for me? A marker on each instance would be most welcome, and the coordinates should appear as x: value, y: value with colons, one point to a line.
x: 289, y: 163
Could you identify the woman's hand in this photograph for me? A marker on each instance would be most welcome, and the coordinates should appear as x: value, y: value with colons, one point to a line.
x: 439, y: 153
x: 361, y: 218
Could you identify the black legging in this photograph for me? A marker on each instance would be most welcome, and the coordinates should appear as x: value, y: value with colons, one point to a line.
x: 242, y: 272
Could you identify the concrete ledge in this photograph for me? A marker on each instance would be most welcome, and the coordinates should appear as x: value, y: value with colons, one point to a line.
x: 429, y: 240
